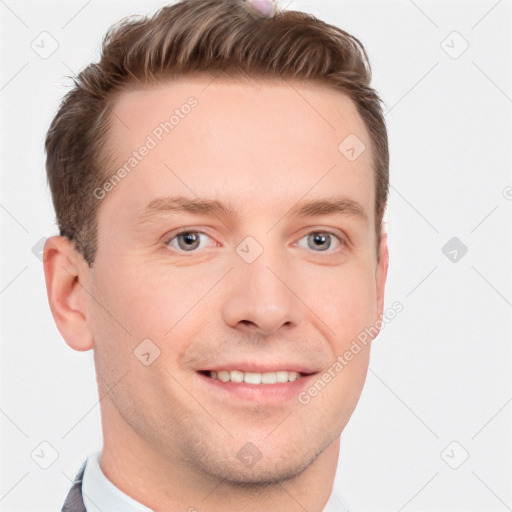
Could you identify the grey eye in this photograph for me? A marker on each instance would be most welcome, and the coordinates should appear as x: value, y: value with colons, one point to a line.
x: 190, y: 241
x: 320, y: 241
x: 187, y: 241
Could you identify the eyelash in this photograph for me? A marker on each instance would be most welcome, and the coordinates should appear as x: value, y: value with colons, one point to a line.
x: 341, y: 242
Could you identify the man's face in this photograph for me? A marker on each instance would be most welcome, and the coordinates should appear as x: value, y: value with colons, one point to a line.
x: 257, y: 287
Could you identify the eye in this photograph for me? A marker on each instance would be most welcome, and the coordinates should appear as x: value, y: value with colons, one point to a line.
x: 321, y: 241
x: 187, y: 241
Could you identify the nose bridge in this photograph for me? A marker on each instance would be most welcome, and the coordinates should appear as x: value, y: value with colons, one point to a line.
x: 265, y: 277
x: 259, y: 296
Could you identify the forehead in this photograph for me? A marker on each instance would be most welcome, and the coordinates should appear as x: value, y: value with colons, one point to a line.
x: 272, y: 142
x: 250, y: 102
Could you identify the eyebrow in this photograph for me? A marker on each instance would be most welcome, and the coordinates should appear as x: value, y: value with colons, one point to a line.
x: 179, y: 204
x: 329, y: 206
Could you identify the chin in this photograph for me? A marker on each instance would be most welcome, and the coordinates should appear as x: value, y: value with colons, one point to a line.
x: 273, y: 467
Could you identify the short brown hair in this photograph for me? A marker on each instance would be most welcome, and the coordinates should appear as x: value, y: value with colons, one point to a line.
x: 187, y: 37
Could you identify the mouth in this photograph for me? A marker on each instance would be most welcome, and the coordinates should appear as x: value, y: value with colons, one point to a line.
x: 277, y: 377
x: 264, y: 387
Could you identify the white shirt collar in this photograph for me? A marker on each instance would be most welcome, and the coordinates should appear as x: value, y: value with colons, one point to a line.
x: 336, y: 504
x: 101, y: 495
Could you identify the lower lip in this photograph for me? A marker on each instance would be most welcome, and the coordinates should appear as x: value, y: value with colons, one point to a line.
x: 268, y: 394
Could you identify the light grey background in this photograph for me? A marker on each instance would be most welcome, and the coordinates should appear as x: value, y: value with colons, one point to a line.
x: 439, y: 386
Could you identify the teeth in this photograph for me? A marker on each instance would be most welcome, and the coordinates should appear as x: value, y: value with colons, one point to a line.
x: 255, y: 378
x: 236, y: 376
x: 252, y: 378
x: 281, y: 376
x: 268, y: 378
x: 223, y: 376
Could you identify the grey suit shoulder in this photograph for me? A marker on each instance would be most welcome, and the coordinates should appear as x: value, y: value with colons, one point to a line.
x: 74, y: 501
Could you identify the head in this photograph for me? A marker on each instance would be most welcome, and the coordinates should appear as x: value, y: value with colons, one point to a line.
x: 219, y: 181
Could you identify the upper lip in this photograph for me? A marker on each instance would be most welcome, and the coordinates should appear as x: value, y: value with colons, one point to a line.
x: 261, y: 368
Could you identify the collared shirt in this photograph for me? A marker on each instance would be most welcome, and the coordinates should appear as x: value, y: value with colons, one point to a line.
x: 101, y: 495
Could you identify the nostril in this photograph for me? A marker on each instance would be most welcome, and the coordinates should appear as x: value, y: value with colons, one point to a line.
x: 248, y: 323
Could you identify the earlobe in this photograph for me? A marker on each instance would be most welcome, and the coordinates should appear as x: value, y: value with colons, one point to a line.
x: 65, y: 274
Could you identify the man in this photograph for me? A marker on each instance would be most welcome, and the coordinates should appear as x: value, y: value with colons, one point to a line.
x: 219, y: 179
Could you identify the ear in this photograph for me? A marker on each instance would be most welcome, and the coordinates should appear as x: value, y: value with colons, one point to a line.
x: 381, y: 273
x: 66, y: 275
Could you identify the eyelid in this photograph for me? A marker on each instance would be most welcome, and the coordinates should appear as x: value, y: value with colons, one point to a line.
x: 310, y: 230
x: 341, y: 240
x: 168, y: 238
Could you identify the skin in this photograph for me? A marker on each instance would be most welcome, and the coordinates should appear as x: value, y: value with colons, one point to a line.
x: 170, y: 440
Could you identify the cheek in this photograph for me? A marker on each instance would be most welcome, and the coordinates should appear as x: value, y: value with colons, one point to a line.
x: 147, y: 305
x: 126, y: 313
x: 346, y: 302
x: 168, y: 307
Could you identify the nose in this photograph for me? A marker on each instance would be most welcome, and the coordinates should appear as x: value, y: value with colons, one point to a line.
x: 259, y: 298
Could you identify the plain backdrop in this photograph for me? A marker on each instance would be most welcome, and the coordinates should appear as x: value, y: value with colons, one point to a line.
x: 432, y: 431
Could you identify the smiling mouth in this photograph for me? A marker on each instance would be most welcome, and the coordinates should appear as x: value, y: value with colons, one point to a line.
x: 237, y: 376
